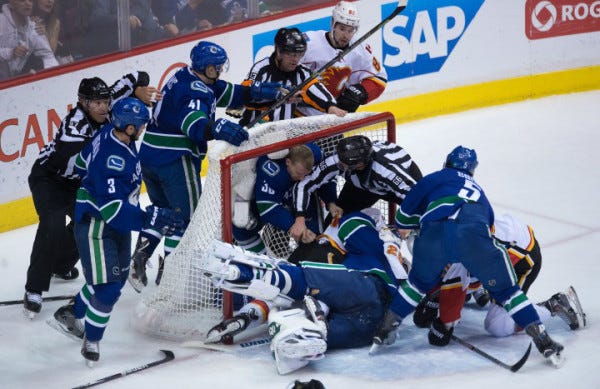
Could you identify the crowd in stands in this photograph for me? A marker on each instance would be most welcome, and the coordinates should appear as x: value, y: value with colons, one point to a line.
x: 39, y: 34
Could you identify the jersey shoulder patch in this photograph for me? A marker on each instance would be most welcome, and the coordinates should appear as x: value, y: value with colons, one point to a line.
x: 199, y: 86
x: 270, y: 168
x: 115, y: 162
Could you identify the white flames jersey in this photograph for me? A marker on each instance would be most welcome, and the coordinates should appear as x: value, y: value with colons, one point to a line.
x: 354, y: 67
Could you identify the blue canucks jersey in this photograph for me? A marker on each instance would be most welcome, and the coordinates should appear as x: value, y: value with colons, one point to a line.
x: 439, y: 196
x: 274, y: 190
x: 111, y: 186
x: 181, y: 120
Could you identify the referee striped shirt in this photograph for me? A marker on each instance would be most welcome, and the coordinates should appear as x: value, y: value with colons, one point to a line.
x: 388, y: 174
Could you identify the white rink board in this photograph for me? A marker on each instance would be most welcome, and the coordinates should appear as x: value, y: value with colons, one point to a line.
x: 466, y: 42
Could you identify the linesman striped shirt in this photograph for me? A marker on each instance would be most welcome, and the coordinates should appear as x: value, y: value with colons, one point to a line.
x: 314, y: 94
x: 77, y: 128
x: 388, y: 174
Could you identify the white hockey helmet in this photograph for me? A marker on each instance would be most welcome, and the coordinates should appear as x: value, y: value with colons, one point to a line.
x: 346, y: 13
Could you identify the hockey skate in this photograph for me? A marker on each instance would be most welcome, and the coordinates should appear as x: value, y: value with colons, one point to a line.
x: 90, y: 351
x: 137, y: 272
x: 567, y: 306
x: 65, y: 322
x: 550, y: 349
x: 227, y: 329
x: 32, y: 304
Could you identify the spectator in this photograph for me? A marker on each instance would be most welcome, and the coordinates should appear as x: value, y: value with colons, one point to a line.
x: 200, y: 15
x: 46, y: 15
x: 165, y: 11
x: 142, y: 21
x: 22, y: 49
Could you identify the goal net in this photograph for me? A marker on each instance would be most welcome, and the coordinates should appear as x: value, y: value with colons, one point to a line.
x: 186, y: 305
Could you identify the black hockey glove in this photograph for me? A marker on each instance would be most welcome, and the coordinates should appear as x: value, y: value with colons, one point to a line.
x: 352, y: 97
x: 426, y: 311
x: 164, y: 220
x: 439, y: 335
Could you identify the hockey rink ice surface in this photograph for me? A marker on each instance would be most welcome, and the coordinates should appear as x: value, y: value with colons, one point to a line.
x: 538, y: 159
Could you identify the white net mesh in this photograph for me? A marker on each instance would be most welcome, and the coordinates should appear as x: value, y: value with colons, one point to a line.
x: 186, y: 305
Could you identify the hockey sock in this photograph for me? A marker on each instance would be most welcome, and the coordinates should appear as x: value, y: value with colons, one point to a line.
x: 521, y: 310
x: 99, y: 309
x: 82, y: 300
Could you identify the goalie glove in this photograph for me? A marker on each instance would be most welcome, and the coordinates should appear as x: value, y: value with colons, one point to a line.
x: 352, y: 97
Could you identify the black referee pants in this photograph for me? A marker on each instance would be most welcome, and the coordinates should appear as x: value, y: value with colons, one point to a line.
x: 54, y: 248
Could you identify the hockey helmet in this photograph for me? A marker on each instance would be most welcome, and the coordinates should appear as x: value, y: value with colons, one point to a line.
x: 207, y: 53
x: 290, y: 40
x: 345, y: 13
x: 355, y: 150
x: 93, y: 89
x: 129, y: 111
x: 462, y: 158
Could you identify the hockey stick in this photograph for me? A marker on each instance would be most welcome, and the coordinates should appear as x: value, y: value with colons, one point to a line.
x: 51, y: 298
x: 316, y: 73
x: 169, y: 356
x: 487, y: 356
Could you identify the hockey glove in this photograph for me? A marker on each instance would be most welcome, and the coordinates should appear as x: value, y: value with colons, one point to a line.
x: 267, y: 90
x: 352, y: 97
x: 223, y: 129
x: 426, y: 311
x: 439, y: 334
x: 164, y: 220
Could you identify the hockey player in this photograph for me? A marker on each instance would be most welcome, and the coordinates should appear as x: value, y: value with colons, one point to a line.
x: 272, y: 201
x: 454, y: 218
x: 107, y: 211
x: 284, y: 66
x: 53, y: 182
x: 373, y: 171
x: 343, y: 303
x: 526, y: 258
x: 176, y: 140
x: 355, y: 80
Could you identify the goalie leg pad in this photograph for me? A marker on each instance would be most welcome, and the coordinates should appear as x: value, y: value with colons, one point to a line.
x: 296, y: 340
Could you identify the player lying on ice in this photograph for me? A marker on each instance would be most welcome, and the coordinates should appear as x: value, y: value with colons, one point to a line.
x: 341, y: 306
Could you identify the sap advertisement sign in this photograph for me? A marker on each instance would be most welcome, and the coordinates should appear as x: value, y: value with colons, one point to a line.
x: 417, y: 41
x: 422, y: 37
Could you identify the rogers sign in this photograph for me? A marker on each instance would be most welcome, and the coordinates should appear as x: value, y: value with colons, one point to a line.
x: 551, y: 18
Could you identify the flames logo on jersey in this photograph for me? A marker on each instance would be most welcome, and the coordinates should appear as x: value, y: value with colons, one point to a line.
x: 335, y: 79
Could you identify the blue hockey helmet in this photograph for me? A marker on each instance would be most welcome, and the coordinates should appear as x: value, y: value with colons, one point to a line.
x: 207, y: 53
x: 129, y: 111
x: 462, y: 158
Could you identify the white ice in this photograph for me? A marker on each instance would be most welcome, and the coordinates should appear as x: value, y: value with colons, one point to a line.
x: 539, y: 160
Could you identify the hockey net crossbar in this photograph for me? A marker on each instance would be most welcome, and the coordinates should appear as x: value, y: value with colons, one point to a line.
x: 186, y: 305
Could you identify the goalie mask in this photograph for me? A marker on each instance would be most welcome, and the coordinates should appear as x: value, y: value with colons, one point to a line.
x: 462, y: 158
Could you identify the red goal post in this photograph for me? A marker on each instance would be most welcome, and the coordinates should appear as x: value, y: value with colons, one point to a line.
x: 350, y: 128
x: 186, y: 304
